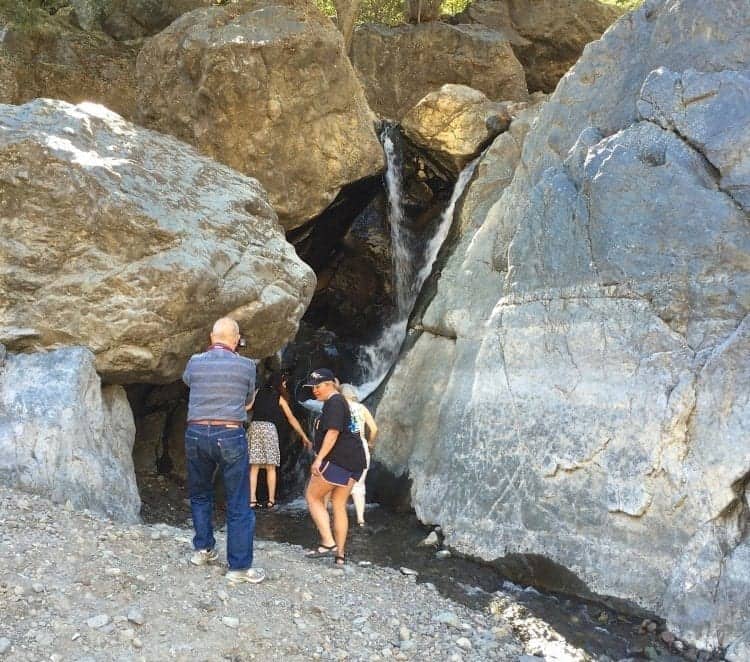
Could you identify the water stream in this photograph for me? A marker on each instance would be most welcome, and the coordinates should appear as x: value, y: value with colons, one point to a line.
x: 412, y: 264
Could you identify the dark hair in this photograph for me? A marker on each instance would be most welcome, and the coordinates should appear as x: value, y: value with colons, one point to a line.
x: 277, y: 382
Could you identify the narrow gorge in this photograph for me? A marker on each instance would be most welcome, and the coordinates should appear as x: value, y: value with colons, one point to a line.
x: 520, y: 227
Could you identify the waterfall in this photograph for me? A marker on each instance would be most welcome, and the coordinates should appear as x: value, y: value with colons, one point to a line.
x: 409, y: 277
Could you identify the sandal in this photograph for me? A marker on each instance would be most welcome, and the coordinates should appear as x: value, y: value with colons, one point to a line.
x: 254, y: 505
x: 321, y: 552
x: 339, y: 560
x: 270, y: 505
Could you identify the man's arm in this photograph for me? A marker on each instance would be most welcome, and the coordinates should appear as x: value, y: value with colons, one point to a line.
x: 188, y: 373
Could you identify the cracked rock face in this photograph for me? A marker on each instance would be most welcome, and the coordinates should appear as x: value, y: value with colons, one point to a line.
x: 587, y: 397
x: 399, y: 66
x: 268, y: 92
x: 132, y: 244
x: 64, y: 435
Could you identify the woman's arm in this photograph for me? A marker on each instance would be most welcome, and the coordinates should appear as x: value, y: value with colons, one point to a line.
x: 294, y: 422
x: 370, y: 421
x: 250, y: 404
x: 329, y: 441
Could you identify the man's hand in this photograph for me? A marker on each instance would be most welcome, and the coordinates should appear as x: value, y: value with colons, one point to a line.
x: 306, y: 443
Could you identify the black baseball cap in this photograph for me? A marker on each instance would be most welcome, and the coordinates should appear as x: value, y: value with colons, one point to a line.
x: 319, y: 376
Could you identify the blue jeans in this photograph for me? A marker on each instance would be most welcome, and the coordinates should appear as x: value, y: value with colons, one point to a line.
x: 208, y: 447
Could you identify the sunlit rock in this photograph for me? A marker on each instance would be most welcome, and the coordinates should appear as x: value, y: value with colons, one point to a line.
x: 270, y: 93
x: 131, y: 243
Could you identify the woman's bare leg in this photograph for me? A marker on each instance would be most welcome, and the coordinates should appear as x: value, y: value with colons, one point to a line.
x: 271, y: 481
x: 254, y: 468
x: 317, y: 489
x: 339, y: 497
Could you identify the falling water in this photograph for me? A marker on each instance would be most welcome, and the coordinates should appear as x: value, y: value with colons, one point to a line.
x: 381, y: 355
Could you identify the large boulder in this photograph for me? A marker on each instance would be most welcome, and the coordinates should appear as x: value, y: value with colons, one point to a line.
x: 399, y: 66
x: 269, y: 92
x: 586, y: 367
x: 548, y: 36
x: 131, y: 243
x: 49, y: 56
x: 64, y: 435
x: 455, y: 123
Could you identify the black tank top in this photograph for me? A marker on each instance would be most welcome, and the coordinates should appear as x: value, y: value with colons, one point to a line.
x: 267, y: 408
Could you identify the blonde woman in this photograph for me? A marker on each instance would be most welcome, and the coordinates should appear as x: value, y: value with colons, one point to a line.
x: 365, y: 422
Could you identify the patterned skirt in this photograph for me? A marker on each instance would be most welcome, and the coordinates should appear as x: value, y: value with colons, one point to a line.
x: 263, y: 443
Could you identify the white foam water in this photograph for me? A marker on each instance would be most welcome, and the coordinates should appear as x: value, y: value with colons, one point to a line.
x: 378, y: 358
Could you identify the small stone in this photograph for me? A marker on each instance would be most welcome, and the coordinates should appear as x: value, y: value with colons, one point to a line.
x: 408, y: 571
x: 447, y: 617
x: 307, y: 596
x: 75, y: 636
x: 442, y: 554
x: 97, y: 622
x: 137, y: 643
x: 678, y: 645
x: 667, y: 637
x: 113, y: 572
x: 364, y: 564
x: 408, y: 645
x: 463, y: 642
x: 37, y: 587
x: 135, y: 615
x: 404, y: 634
x: 431, y: 539
x: 4, y: 645
x: 231, y: 621
x: 155, y: 535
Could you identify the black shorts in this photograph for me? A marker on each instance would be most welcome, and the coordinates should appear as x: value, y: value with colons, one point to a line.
x: 336, y: 475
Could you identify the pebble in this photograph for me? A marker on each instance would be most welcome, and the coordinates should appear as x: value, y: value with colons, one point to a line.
x: 431, y: 539
x: 97, y: 622
x: 463, y: 642
x: 231, y: 621
x: 408, y: 571
x: 447, y: 617
x: 4, y: 645
x: 404, y: 634
x: 442, y: 554
x: 135, y: 615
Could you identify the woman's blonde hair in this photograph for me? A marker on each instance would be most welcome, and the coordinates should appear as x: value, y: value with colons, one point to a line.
x: 349, y: 391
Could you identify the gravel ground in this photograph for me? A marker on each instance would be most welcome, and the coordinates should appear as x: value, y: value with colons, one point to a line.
x: 75, y: 586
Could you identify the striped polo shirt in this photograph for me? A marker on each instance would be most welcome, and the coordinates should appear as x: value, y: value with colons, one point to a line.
x: 221, y: 383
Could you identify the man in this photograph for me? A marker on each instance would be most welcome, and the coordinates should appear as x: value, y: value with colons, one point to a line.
x: 221, y: 384
x: 338, y: 465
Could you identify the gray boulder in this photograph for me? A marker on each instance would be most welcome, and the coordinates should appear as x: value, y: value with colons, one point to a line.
x: 585, y: 359
x: 64, y: 435
x: 132, y: 244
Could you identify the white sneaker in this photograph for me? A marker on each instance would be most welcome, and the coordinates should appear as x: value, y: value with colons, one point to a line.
x: 251, y: 575
x: 204, y: 557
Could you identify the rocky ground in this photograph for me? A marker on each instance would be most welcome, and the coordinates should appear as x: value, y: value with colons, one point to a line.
x: 76, y: 586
